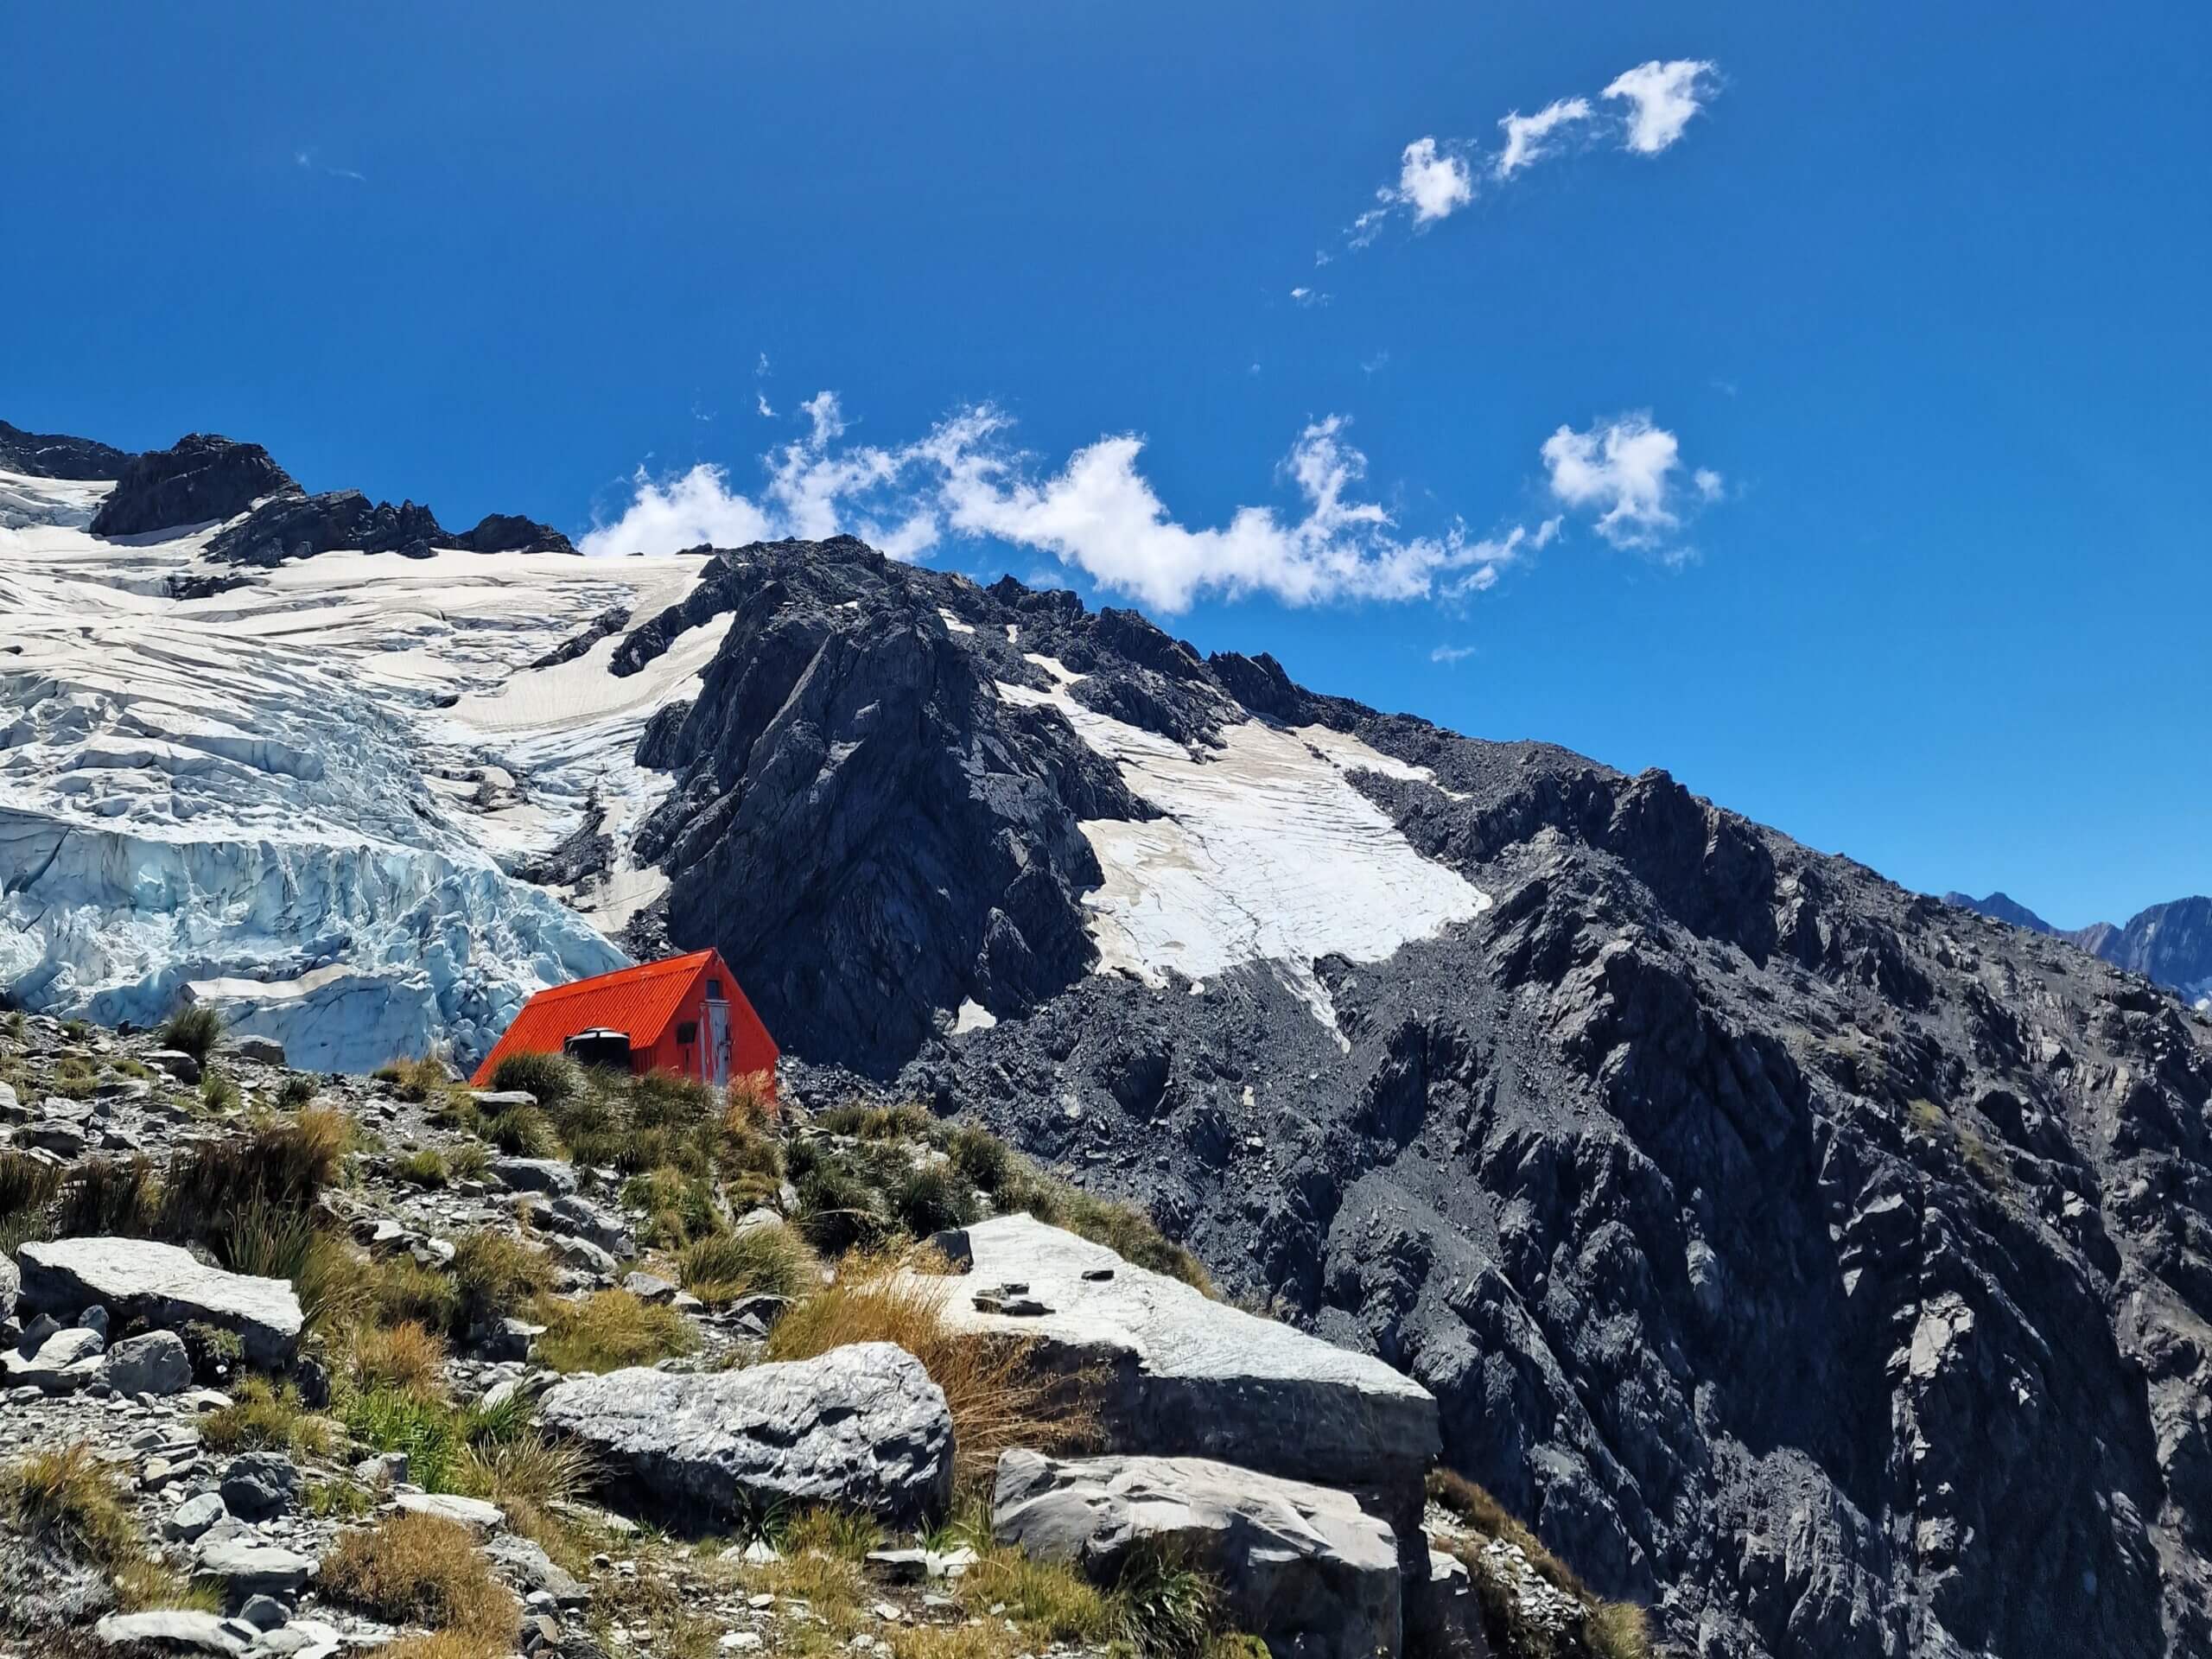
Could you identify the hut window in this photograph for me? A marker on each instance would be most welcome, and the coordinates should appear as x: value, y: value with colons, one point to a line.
x: 687, y: 1031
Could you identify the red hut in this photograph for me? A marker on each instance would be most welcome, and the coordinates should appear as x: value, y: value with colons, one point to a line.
x: 687, y: 1015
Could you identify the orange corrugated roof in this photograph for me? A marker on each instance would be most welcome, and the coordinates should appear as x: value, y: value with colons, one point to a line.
x: 640, y: 1001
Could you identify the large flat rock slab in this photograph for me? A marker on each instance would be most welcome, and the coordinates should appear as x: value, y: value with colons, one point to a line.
x: 1302, y: 1566
x: 860, y: 1426
x: 164, y: 1285
x: 1179, y: 1375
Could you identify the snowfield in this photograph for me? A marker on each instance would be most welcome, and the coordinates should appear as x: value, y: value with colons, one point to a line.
x: 1266, y: 852
x: 300, y: 797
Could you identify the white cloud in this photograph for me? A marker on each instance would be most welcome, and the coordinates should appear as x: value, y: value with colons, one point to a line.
x: 761, y: 403
x: 1435, y: 184
x: 1664, y: 96
x: 1624, y: 469
x: 1525, y: 134
x: 1099, y: 514
x: 1436, y: 177
x: 1308, y: 296
x: 1450, y: 654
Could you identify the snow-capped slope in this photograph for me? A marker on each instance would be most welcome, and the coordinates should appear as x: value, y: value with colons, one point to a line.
x: 1263, y: 852
x: 301, y: 793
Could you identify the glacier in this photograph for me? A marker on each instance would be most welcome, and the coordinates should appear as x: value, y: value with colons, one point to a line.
x: 300, y: 792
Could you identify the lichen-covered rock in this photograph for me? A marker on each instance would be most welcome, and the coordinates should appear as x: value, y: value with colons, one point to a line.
x: 164, y: 1285
x: 1302, y: 1566
x: 860, y: 1426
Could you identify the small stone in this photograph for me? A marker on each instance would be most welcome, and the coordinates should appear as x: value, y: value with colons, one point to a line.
x: 264, y: 1612
x: 193, y: 1517
x: 474, y: 1513
x: 258, y: 1485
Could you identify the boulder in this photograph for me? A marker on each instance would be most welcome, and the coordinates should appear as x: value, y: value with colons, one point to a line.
x: 172, y: 1630
x: 535, y: 1571
x: 265, y: 1050
x: 547, y: 1175
x: 258, y: 1485
x: 193, y: 1517
x: 174, y: 1061
x: 861, y: 1425
x: 62, y: 1363
x: 156, y: 1362
x: 1178, y: 1375
x: 474, y: 1513
x: 249, y: 1567
x: 165, y: 1286
x: 1301, y: 1567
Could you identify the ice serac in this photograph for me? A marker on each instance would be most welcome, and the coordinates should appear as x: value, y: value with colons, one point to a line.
x: 309, y: 792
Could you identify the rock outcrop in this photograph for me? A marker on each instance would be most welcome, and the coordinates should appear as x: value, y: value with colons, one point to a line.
x: 49, y: 454
x: 164, y: 1285
x: 1301, y: 1567
x: 199, y: 479
x: 1175, y: 1373
x: 861, y: 1425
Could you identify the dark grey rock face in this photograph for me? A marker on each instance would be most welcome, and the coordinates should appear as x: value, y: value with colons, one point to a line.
x: 2168, y: 943
x: 200, y: 478
x: 1821, y: 1263
x: 299, y: 526
x: 49, y: 454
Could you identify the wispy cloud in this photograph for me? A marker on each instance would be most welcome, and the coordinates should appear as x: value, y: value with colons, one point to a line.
x: 305, y: 159
x: 1529, y: 139
x: 1623, y: 470
x: 1448, y: 655
x: 1662, y: 98
x: 1098, y: 513
x: 1438, y: 177
x: 1308, y: 296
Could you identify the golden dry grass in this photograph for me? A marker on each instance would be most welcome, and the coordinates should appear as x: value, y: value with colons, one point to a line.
x: 1615, y: 1629
x: 997, y: 1396
x: 418, y: 1569
x: 404, y: 1356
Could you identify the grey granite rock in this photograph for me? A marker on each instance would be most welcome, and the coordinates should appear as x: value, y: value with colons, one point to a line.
x: 172, y: 1630
x: 154, y: 1362
x: 861, y: 1425
x: 163, y: 1285
x: 1302, y: 1566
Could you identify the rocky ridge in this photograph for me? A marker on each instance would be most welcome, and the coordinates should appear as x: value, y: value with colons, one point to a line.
x: 2169, y: 944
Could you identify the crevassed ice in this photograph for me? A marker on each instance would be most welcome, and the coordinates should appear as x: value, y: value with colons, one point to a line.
x: 300, y: 796
x: 1266, y: 854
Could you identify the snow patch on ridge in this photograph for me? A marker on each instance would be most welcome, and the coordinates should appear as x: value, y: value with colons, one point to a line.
x: 1266, y: 854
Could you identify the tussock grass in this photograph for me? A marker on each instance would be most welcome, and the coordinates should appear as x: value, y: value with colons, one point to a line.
x: 1051, y: 1602
x: 495, y: 1276
x: 297, y: 1092
x: 423, y: 1167
x: 609, y: 1330
x: 997, y: 1397
x: 194, y: 1029
x: 419, y: 1569
x: 220, y: 1093
x: 521, y: 1132
x: 406, y: 1356
x: 555, y: 1079
x: 70, y: 1498
x: 118, y: 1197
x: 29, y: 1186
x: 760, y: 1260
x: 265, y: 1416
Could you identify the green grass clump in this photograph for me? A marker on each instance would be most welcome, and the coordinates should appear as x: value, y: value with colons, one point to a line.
x: 28, y: 1187
x: 265, y: 1416
x: 218, y: 1093
x: 74, y: 1080
x: 496, y: 1275
x: 610, y: 1329
x: 422, y: 1168
x: 553, y: 1079
x: 194, y: 1030
x: 420, y: 1569
x: 109, y: 1198
x: 521, y: 1132
x: 297, y: 1093
x: 771, y: 1260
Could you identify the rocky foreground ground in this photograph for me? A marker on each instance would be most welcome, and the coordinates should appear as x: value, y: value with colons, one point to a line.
x: 295, y: 1365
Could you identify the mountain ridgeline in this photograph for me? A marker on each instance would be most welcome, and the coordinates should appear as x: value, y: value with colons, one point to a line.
x: 2170, y: 943
x: 1822, y: 1262
x: 1827, y: 1266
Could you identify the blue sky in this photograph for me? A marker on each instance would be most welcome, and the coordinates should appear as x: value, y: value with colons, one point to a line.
x: 1900, y: 340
